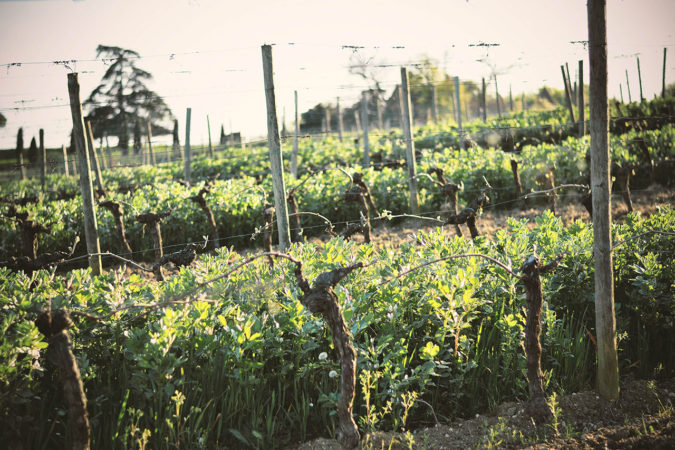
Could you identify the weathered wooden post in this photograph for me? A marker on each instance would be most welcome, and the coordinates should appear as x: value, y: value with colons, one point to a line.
x: 608, y: 368
x: 208, y: 128
x: 630, y: 100
x: 510, y: 99
x: 188, y: 161
x: 94, y: 160
x: 663, y: 76
x: 296, y: 139
x: 406, y: 121
x: 483, y: 99
x: 568, y: 95
x: 43, y: 159
x: 642, y: 98
x: 340, y: 125
x: 364, y: 126
x: 569, y: 83
x: 86, y: 188
x: 19, y: 153
x: 327, y: 119
x: 434, y: 103
x: 275, y: 151
x: 499, y: 108
x: 153, y: 161
x: 580, y: 97
x: 66, y: 168
x: 459, y: 113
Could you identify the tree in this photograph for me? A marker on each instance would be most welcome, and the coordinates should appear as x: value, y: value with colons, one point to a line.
x: 123, y: 98
x: 32, y: 151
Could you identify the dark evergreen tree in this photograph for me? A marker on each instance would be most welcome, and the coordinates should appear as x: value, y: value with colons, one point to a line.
x: 123, y: 98
x: 32, y: 151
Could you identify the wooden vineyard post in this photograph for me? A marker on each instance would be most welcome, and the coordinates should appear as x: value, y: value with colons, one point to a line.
x: 296, y: 143
x: 605, y: 321
x: 43, y: 159
x: 406, y: 120
x: 483, y: 99
x: 510, y: 99
x: 459, y: 113
x: 621, y: 92
x: 109, y: 151
x: 340, y: 124
x: 86, y: 188
x: 94, y: 160
x: 630, y: 100
x: 153, y: 161
x: 327, y: 119
x: 19, y: 153
x: 186, y: 167
x: 499, y: 108
x: 66, y: 168
x: 663, y: 76
x: 569, y: 84
x: 434, y: 103
x: 208, y: 129
x: 642, y: 98
x: 364, y: 127
x: 54, y: 326
x: 275, y: 151
x: 568, y: 95
x: 378, y: 106
x: 580, y: 98
x: 522, y: 101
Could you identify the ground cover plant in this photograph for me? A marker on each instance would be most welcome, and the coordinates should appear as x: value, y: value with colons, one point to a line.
x: 245, y: 365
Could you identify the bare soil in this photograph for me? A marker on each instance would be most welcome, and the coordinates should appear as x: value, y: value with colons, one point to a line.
x: 642, y: 418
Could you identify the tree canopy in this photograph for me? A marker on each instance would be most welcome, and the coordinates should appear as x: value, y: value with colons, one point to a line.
x: 123, y: 99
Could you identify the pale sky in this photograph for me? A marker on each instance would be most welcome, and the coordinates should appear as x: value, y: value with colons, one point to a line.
x: 205, y: 54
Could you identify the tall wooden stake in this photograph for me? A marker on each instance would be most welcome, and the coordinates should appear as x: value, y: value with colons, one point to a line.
x: 580, y: 98
x: 208, y: 128
x: 630, y: 100
x: 499, y: 108
x: 663, y: 76
x: 621, y: 92
x: 86, y: 188
x: 364, y: 126
x: 484, y: 101
x: 459, y: 113
x: 568, y: 94
x: 186, y: 169
x: 642, y: 98
x: 66, y: 168
x: 43, y: 160
x: 406, y: 119
x: 274, y: 143
x: 510, y: 99
x: 340, y: 125
x: 94, y: 160
x: 605, y: 322
x: 434, y: 103
x: 296, y: 137
x: 153, y: 161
